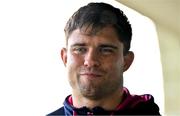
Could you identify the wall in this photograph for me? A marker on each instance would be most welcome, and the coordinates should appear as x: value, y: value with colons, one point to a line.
x: 170, y: 55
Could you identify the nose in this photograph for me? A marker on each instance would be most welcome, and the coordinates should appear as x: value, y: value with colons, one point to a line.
x: 91, y: 59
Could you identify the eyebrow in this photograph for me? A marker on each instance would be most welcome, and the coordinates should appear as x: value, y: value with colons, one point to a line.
x: 78, y: 44
x: 109, y: 46
x: 101, y: 46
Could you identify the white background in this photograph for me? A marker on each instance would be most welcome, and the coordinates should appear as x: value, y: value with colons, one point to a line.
x: 32, y: 76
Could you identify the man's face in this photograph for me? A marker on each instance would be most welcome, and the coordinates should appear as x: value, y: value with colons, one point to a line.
x: 95, y: 63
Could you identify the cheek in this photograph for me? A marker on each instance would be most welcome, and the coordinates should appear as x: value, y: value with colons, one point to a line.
x: 74, y: 61
x: 114, y: 65
x: 120, y: 65
x: 114, y: 61
x: 73, y: 64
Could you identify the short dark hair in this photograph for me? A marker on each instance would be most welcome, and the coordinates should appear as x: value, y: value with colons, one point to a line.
x: 98, y: 16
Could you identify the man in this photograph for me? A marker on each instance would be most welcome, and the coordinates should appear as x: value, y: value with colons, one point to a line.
x: 97, y: 53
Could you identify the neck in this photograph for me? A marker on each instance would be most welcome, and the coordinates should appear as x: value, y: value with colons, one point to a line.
x: 109, y: 102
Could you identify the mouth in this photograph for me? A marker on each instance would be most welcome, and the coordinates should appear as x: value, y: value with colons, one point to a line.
x: 90, y: 75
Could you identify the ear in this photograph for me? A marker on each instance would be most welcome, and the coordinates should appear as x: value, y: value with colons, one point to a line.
x: 64, y: 55
x: 128, y: 59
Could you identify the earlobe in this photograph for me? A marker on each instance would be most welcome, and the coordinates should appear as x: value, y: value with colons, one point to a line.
x: 64, y: 55
x: 128, y: 59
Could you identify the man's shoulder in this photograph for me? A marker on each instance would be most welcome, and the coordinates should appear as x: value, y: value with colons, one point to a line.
x: 57, y: 112
x: 144, y: 104
x: 138, y: 104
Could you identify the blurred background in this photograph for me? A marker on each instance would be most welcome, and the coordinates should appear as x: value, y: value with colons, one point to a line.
x: 32, y: 76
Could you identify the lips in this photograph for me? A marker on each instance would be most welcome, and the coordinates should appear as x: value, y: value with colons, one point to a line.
x: 91, y: 72
x: 91, y: 75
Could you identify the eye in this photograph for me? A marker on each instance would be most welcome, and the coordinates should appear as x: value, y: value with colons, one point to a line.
x: 79, y: 50
x: 106, y: 50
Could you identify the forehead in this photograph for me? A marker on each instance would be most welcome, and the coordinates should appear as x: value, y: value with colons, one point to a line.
x: 106, y: 34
